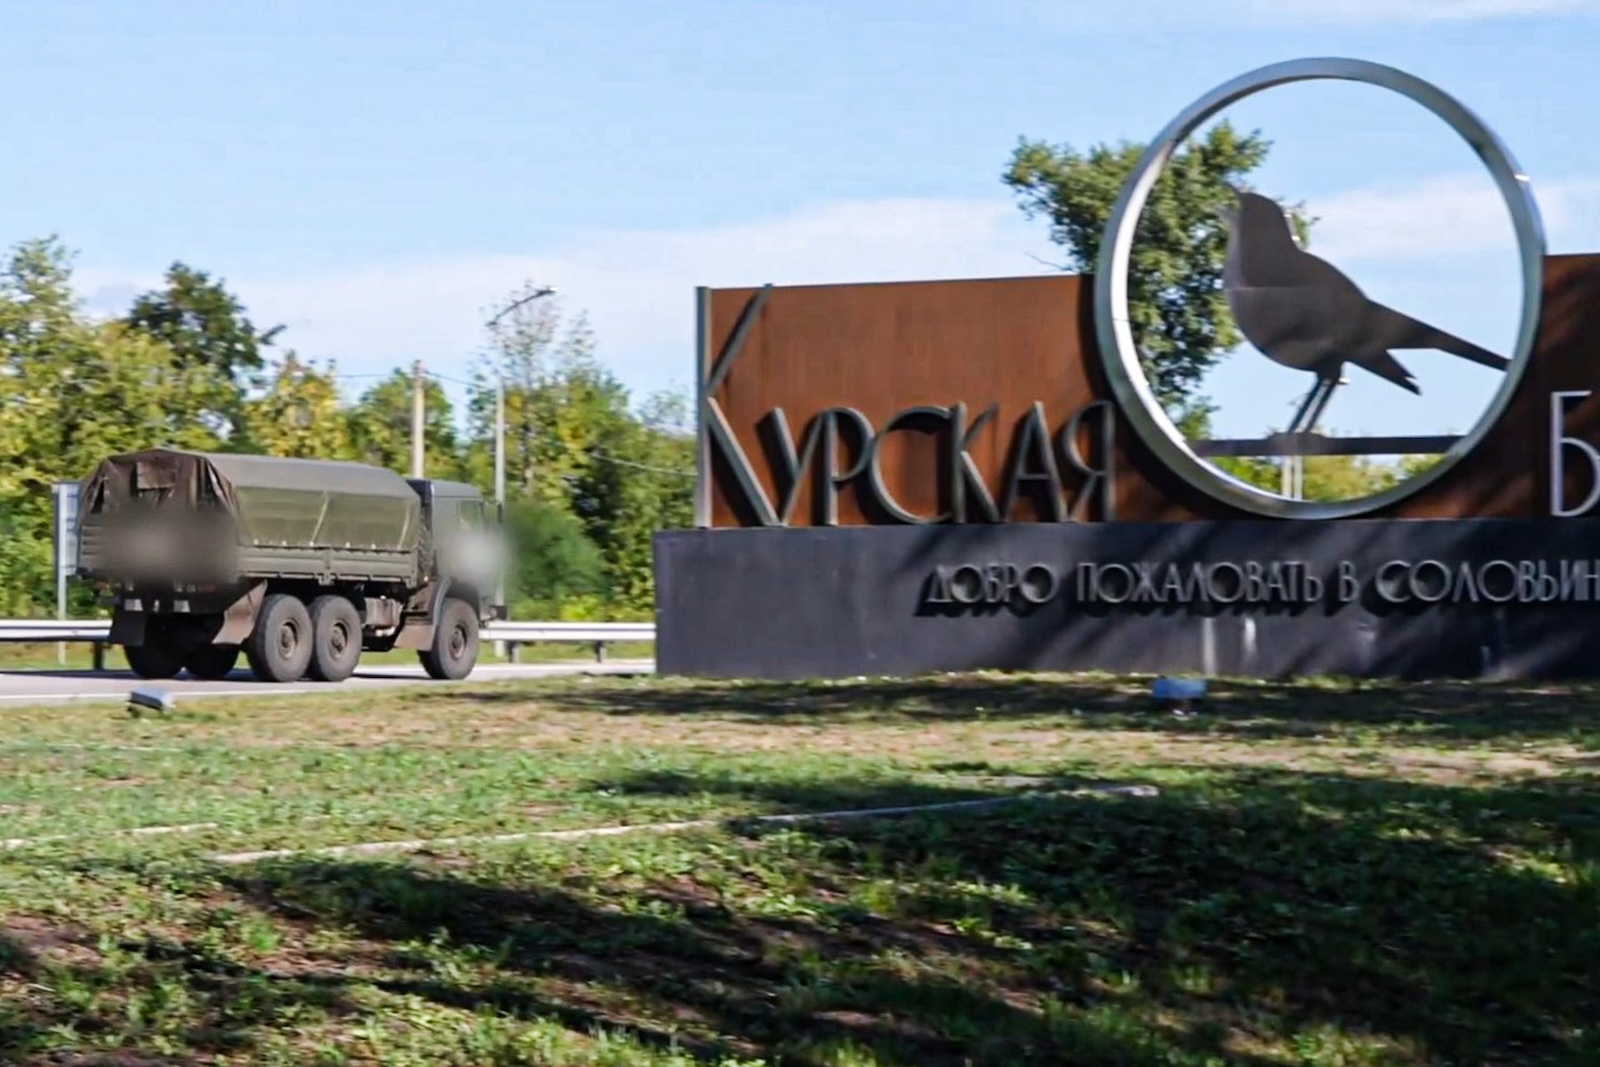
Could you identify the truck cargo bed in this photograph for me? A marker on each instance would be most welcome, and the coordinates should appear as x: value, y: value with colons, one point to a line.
x: 251, y: 516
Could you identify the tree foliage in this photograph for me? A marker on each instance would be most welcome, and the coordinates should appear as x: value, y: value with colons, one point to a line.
x: 590, y: 475
x: 558, y: 566
x: 379, y: 427
x: 1327, y: 478
x: 574, y: 443
x: 207, y: 329
x: 299, y: 415
x: 1177, y: 309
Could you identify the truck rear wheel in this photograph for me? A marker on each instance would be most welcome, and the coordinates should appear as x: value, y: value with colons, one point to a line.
x: 279, y: 648
x: 211, y: 663
x: 335, y: 638
x: 455, y: 643
x: 155, y: 659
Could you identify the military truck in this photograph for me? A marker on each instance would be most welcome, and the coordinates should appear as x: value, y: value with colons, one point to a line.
x: 301, y: 564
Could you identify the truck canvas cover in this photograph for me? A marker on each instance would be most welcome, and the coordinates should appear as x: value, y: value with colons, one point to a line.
x: 257, y: 512
x: 170, y: 480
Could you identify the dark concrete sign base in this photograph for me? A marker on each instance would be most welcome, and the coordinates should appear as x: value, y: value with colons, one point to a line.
x: 1491, y: 598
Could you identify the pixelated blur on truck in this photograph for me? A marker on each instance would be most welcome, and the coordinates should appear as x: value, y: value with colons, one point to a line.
x: 300, y: 564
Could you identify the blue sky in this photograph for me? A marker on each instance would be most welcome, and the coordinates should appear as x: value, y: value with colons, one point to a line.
x: 376, y: 174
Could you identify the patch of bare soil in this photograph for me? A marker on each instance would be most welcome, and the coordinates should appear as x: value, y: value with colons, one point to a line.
x: 39, y: 940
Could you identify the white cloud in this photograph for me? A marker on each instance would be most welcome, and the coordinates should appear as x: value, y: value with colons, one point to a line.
x: 1448, y: 214
x: 1080, y: 14
x: 636, y: 286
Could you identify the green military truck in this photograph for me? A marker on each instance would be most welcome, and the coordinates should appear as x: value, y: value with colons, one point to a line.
x: 300, y: 564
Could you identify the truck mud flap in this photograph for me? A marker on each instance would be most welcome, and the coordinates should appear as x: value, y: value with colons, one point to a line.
x: 422, y: 616
x: 240, y: 617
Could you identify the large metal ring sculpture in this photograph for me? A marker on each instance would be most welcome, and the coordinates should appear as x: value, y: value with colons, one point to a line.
x: 1119, y: 350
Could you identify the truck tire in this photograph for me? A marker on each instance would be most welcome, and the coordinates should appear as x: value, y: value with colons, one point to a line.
x: 155, y: 659
x: 279, y: 648
x: 335, y: 639
x: 455, y: 643
x: 211, y: 663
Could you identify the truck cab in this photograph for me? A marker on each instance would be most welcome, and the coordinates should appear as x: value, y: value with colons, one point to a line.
x: 466, y: 533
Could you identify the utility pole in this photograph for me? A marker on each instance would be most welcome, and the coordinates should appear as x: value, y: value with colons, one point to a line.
x: 500, y: 395
x: 1286, y: 470
x: 500, y: 439
x: 500, y: 430
x: 418, y: 419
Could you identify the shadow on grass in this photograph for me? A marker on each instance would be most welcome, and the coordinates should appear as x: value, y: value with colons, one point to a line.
x: 1266, y: 918
x: 720, y: 980
x: 802, y: 794
x: 1387, y: 914
x: 104, y: 1002
x: 1414, y: 918
x: 1443, y: 712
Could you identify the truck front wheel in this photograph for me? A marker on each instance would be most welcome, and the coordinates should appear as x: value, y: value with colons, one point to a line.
x: 279, y: 648
x: 455, y: 643
x: 335, y: 638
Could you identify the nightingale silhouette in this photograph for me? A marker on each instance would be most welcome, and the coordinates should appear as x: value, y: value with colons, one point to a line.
x: 1303, y: 312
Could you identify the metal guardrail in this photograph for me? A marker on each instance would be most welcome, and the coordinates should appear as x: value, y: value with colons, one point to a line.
x: 598, y: 634
x: 51, y: 630
x: 513, y: 634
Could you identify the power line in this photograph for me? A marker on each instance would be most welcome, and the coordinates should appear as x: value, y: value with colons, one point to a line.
x: 447, y: 378
x: 642, y: 466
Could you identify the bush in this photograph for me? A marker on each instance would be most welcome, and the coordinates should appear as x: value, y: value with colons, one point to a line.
x: 554, y: 561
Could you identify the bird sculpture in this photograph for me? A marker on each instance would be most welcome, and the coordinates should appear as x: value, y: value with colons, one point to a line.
x: 1303, y: 312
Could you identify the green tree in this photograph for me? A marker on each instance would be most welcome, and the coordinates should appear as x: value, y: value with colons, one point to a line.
x: 380, y: 427
x: 71, y: 391
x: 575, y: 445
x: 1178, y: 312
x: 1327, y: 478
x: 206, y: 327
x: 300, y: 414
x: 1408, y: 467
x: 641, y: 480
x: 557, y: 400
x: 1330, y: 478
x: 555, y: 562
x: 25, y: 557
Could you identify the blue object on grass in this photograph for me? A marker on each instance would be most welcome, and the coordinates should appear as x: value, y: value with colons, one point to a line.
x: 1179, y: 688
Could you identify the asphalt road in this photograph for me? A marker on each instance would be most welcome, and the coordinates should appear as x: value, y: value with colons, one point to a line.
x: 52, y: 686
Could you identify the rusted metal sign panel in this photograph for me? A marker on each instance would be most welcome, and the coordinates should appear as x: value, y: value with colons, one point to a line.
x: 980, y: 401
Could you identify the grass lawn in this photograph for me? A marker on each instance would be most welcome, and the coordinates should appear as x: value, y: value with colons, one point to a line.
x: 1327, y: 876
